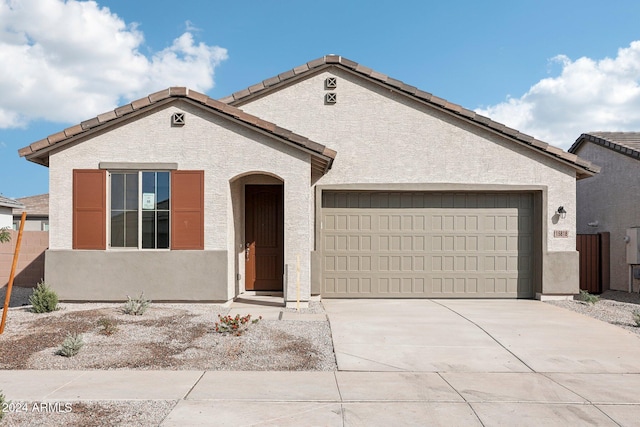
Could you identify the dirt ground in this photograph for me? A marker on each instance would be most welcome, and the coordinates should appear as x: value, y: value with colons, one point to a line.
x: 167, y: 336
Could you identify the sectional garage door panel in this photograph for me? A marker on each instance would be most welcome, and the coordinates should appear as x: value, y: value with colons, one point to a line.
x: 407, y: 244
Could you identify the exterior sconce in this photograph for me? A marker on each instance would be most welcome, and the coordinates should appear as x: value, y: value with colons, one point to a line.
x: 561, y: 212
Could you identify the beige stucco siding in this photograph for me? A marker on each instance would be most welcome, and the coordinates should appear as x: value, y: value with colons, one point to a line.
x: 608, y: 198
x: 384, y: 137
x: 224, y: 150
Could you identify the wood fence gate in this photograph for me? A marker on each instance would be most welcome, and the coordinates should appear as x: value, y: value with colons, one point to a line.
x: 594, y: 262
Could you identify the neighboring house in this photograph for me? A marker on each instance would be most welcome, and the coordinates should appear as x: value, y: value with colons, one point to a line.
x: 606, y: 202
x: 37, y: 208
x: 328, y: 179
x: 6, y: 211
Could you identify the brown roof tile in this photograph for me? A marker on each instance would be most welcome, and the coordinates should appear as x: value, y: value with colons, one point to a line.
x: 73, y: 130
x: 34, y: 205
x: 125, y: 109
x: 318, y: 151
x: 88, y: 124
x: 585, y: 169
x: 140, y: 103
x: 178, y: 91
x: 256, y: 88
x: 105, y: 117
x: 39, y: 145
x: 301, y: 69
x: 25, y: 151
x: 197, y: 96
x: 159, y: 96
x: 56, y: 137
x: 271, y: 81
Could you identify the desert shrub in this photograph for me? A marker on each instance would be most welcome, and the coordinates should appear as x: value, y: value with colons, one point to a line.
x: 71, y: 345
x: 636, y: 317
x: 234, y: 325
x: 43, y: 299
x: 587, y: 297
x: 107, y: 326
x: 137, y: 306
x: 5, y: 237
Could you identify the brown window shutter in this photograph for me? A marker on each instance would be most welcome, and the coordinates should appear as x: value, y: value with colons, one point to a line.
x: 187, y: 209
x: 89, y: 209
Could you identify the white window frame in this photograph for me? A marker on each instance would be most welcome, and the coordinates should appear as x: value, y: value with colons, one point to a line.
x: 140, y: 210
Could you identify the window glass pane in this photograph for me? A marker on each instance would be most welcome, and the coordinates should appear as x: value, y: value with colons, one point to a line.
x: 117, y: 191
x: 149, y: 197
x: 163, y: 190
x: 131, y: 229
x: 148, y: 230
x: 117, y: 229
x: 163, y: 229
x: 148, y: 182
x: 132, y: 191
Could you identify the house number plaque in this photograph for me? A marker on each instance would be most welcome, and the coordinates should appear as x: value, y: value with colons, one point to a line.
x: 561, y: 233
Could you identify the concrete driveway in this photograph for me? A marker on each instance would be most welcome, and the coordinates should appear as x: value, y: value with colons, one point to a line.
x: 476, y: 336
x: 510, y: 362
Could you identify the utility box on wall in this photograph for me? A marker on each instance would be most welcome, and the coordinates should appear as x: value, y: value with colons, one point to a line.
x: 633, y: 251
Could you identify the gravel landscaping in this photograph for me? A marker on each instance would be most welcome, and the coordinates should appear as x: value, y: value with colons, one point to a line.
x: 182, y: 336
x: 167, y: 336
x: 614, y: 307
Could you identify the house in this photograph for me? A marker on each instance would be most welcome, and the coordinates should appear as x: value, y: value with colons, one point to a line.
x: 37, y: 208
x: 329, y: 179
x: 605, y: 202
x: 6, y: 208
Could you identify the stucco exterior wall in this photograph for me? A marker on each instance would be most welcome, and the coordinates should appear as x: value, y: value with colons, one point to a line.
x: 608, y: 198
x: 384, y: 137
x: 6, y: 217
x: 224, y: 150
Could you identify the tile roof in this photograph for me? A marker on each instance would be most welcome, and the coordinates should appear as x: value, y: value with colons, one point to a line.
x: 627, y: 143
x: 34, y: 205
x: 38, y: 152
x: 583, y: 167
x: 9, y: 203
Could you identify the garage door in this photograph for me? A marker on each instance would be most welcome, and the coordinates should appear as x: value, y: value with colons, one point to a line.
x: 423, y: 244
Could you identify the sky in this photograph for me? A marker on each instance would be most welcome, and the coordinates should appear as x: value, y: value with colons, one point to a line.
x: 549, y: 68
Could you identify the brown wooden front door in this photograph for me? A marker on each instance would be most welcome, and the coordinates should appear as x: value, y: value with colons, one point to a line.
x: 264, y: 232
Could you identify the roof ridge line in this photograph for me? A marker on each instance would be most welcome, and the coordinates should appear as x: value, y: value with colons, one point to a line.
x: 193, y: 95
x: 412, y: 91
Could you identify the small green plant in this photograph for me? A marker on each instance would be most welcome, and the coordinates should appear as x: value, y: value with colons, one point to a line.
x: 636, y: 317
x: 587, y: 297
x: 3, y: 404
x: 136, y: 307
x: 107, y: 326
x: 71, y: 345
x: 5, y: 236
x: 234, y: 325
x: 43, y: 299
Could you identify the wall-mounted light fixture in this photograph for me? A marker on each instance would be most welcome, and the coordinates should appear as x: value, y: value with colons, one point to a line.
x: 561, y: 212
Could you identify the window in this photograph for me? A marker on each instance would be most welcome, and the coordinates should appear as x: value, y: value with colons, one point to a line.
x: 140, y: 210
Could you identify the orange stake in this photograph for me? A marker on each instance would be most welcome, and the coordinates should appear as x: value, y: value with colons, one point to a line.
x: 7, y: 297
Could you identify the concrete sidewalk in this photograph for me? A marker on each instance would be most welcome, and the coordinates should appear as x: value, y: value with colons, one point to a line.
x: 349, y: 398
x: 400, y: 362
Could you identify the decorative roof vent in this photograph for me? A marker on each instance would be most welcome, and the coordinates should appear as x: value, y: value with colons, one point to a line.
x: 177, y: 119
x: 330, y: 98
x: 331, y: 83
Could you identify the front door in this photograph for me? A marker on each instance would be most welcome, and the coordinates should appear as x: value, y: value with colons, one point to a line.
x: 264, y: 232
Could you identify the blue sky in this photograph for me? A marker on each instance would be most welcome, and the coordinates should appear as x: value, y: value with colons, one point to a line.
x: 553, y: 69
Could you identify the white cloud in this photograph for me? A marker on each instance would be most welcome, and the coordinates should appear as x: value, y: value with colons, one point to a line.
x: 67, y: 61
x: 588, y: 95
